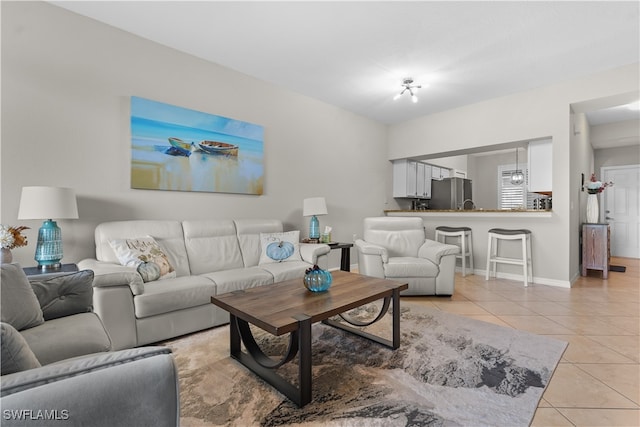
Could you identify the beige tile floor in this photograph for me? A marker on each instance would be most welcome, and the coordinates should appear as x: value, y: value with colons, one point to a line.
x: 597, y: 382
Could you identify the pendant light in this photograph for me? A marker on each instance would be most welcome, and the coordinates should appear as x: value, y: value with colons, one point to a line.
x: 517, y: 177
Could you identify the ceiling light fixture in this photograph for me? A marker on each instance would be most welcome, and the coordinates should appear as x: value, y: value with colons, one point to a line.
x: 407, y: 85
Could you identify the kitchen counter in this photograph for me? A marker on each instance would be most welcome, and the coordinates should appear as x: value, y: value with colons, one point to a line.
x: 485, y: 213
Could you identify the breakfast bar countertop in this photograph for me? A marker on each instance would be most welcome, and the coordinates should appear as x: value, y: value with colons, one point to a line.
x: 534, y: 213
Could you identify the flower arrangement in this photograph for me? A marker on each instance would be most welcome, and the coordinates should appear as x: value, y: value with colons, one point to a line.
x: 11, y: 237
x: 594, y: 186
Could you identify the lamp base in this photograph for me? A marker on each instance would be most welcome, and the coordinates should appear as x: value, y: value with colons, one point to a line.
x: 314, y: 228
x: 49, y: 246
x: 50, y: 267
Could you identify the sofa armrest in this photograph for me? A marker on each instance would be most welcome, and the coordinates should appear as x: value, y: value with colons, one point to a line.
x: 371, y: 258
x: 131, y: 387
x: 110, y: 274
x: 433, y: 250
x: 366, y: 248
x: 310, y: 252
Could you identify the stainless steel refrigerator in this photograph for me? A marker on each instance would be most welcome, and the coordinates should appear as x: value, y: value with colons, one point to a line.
x: 451, y: 193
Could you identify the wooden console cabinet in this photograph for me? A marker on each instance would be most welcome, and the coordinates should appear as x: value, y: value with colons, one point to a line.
x: 595, y: 248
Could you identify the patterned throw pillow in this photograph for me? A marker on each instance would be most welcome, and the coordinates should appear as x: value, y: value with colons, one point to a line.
x: 279, y: 247
x: 140, y: 251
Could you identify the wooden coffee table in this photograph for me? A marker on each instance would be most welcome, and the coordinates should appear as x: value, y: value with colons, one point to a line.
x: 288, y: 307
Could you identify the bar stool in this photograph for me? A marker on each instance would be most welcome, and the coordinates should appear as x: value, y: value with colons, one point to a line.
x: 465, y: 243
x: 526, y: 262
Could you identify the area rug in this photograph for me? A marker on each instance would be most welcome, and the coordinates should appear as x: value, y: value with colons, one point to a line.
x: 449, y: 371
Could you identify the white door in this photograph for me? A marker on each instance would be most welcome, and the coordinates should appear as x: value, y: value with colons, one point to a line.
x: 620, y: 208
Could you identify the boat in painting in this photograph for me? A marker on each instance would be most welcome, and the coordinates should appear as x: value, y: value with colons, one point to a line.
x: 180, y: 146
x: 216, y: 147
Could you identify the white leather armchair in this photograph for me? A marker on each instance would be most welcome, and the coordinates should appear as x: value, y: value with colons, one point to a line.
x: 395, y: 248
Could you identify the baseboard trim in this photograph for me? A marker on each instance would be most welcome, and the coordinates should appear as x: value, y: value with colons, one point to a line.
x: 520, y: 278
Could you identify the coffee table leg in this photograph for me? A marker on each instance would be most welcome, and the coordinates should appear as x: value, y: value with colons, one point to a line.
x: 394, y: 342
x: 264, y: 367
x: 234, y: 336
x: 304, y: 358
x: 396, y: 319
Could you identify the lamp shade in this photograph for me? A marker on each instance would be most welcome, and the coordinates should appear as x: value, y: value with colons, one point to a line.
x: 47, y: 203
x: 314, y: 206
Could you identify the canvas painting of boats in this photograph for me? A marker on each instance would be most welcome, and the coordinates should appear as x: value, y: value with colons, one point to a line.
x: 175, y: 148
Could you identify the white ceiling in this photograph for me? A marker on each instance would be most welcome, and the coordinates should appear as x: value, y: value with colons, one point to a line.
x: 355, y: 54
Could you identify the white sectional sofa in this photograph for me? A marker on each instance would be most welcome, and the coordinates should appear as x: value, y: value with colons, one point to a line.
x: 210, y: 257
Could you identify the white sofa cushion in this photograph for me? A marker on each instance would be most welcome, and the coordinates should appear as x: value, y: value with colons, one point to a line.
x: 168, y: 233
x: 239, y: 278
x: 164, y: 296
x: 286, y: 270
x: 212, y: 245
x: 410, y: 267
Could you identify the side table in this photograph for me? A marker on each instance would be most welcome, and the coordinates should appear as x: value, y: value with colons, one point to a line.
x: 595, y: 248
x: 35, y: 272
x: 345, y: 259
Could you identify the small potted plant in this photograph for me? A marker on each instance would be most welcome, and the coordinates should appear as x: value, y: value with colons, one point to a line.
x: 11, y: 237
x: 595, y: 187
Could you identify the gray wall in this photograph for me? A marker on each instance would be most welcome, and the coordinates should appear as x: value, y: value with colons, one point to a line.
x: 620, y: 156
x: 66, y: 83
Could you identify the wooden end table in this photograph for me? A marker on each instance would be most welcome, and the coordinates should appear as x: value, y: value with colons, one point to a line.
x: 345, y: 258
x: 288, y: 307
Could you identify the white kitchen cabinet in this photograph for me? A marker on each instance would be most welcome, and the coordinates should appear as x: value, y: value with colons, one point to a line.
x: 540, y: 163
x: 411, y: 179
x: 420, y: 169
x: 438, y: 172
x: 404, y: 178
x: 427, y: 181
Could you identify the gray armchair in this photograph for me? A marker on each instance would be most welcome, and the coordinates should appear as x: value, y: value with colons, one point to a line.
x: 56, y: 368
x: 395, y: 248
x: 54, y: 315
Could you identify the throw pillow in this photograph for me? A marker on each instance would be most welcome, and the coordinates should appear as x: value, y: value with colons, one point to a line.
x: 16, y: 354
x: 65, y: 295
x: 279, y: 247
x: 149, y: 271
x: 133, y: 252
x: 19, y: 305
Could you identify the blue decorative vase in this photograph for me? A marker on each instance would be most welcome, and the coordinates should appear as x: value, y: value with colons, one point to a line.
x: 318, y: 280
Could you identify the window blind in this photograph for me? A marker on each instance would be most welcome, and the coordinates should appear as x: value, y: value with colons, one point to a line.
x: 513, y: 196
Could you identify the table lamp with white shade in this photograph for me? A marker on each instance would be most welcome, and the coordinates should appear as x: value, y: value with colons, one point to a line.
x: 48, y: 203
x: 312, y: 207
